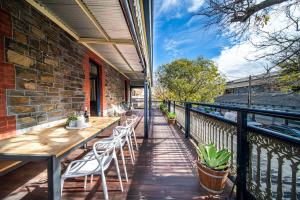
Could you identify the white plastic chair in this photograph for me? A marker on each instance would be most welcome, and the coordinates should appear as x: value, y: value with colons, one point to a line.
x: 131, y: 121
x: 118, y: 110
x: 95, y: 163
x: 121, y: 137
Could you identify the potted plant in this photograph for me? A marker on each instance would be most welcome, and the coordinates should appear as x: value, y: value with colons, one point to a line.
x: 213, y: 167
x: 71, y: 121
x: 171, y: 118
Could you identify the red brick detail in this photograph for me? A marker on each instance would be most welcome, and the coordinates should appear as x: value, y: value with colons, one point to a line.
x: 7, y: 79
x: 86, y: 66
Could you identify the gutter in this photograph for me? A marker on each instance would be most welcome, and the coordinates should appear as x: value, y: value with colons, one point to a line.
x: 128, y: 16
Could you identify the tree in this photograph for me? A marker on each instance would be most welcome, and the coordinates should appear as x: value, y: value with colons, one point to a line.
x: 280, y: 46
x: 191, y: 80
x: 290, y: 76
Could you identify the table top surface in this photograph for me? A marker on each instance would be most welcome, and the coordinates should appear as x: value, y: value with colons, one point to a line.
x: 54, y: 141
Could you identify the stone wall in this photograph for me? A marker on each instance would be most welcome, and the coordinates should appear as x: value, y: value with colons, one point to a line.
x: 114, y: 87
x: 47, y: 70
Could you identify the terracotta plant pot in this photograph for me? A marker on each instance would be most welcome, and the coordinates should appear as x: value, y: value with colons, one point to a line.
x: 171, y: 121
x: 212, y: 180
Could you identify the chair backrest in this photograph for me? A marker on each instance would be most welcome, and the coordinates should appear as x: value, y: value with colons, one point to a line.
x: 131, y: 120
x: 101, y: 153
x: 117, y: 109
x: 122, y: 130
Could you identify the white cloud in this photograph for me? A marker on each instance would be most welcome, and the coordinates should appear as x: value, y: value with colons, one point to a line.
x: 234, y: 61
x: 167, y: 5
x: 174, y: 48
x: 196, y: 4
x: 240, y: 60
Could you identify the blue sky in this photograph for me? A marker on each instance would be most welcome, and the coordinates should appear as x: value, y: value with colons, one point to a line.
x: 179, y: 33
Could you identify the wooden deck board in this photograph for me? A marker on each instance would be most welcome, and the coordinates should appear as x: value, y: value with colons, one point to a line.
x: 164, y: 169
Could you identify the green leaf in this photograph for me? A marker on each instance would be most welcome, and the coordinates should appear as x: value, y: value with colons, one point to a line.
x: 212, y: 158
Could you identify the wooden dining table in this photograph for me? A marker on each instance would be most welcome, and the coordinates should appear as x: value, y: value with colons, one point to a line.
x: 52, y: 144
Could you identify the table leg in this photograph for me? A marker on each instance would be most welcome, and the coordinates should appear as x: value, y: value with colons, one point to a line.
x: 54, y: 174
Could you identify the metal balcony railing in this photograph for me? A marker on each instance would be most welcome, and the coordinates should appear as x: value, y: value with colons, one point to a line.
x: 264, y: 165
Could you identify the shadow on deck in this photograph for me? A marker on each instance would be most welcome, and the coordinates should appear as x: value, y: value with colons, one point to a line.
x: 164, y: 169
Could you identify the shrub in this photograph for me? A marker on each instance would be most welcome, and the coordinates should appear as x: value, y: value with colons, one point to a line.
x: 162, y: 106
x: 165, y: 110
x: 171, y: 115
x: 212, y: 158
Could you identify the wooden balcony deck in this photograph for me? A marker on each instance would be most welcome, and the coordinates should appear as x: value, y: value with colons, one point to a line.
x: 163, y: 169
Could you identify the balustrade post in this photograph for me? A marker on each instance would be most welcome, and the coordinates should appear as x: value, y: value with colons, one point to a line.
x: 174, y: 106
x: 187, y: 119
x: 242, y: 155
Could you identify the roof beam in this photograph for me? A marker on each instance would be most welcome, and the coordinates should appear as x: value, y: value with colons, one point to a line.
x: 100, y: 28
x: 104, y: 41
x: 133, y: 72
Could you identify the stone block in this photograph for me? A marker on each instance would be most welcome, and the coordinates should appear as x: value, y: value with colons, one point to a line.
x: 21, y: 109
x: 51, y: 61
x: 47, y: 78
x: 34, y: 43
x: 55, y: 114
x: 55, y: 94
x: 66, y: 100
x: 17, y: 101
x: 48, y: 107
x: 37, y: 32
x: 37, y: 54
x: 43, y: 67
x: 41, y: 118
x: 26, y: 85
x: 40, y: 100
x: 14, y: 57
x: 44, y: 46
x: 15, y: 93
x: 77, y: 99
x: 26, y: 120
x: 31, y: 93
x: 21, y: 26
x: 26, y: 74
x: 21, y: 37
x: 17, y: 47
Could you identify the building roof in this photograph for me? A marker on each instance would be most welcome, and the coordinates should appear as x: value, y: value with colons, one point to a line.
x: 259, y: 79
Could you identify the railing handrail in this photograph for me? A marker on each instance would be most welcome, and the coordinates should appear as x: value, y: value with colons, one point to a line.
x: 273, y: 113
x: 284, y: 137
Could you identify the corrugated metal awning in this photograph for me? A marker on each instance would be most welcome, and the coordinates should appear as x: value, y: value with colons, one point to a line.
x: 101, y: 26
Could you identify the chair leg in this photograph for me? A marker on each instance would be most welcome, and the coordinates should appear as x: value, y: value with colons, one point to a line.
x: 62, y: 181
x: 124, y: 164
x: 92, y: 176
x: 104, y: 186
x: 131, y: 147
x: 136, y: 145
x: 85, y: 180
x: 128, y: 144
x: 118, y: 171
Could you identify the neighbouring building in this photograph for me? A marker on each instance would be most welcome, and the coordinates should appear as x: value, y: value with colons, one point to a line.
x: 264, y: 93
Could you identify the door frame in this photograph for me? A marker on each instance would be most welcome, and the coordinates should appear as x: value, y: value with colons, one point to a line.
x: 98, y: 86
